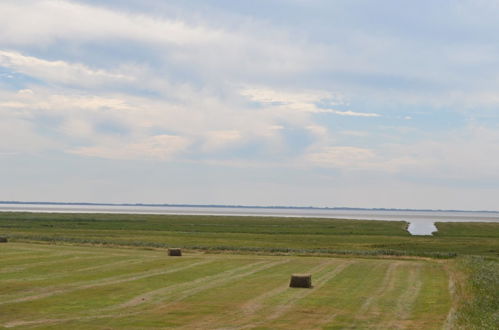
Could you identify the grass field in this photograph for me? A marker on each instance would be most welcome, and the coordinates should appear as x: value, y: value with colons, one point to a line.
x: 75, y: 287
x: 110, y: 271
x: 264, y: 234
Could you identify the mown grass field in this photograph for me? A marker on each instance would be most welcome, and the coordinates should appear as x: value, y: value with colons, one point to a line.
x: 81, y: 287
x: 110, y: 271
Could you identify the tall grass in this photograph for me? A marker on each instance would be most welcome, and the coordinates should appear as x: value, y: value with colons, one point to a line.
x: 237, y: 249
x: 479, y: 308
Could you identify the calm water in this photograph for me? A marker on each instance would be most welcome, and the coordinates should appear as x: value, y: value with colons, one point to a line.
x: 420, y: 222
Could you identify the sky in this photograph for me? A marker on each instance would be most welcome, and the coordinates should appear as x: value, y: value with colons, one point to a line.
x: 334, y: 103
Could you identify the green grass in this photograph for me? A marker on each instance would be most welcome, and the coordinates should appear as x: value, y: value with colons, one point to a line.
x: 468, y: 229
x: 199, y: 224
x: 82, y: 287
x: 253, y: 234
x: 85, y: 278
x: 479, y: 306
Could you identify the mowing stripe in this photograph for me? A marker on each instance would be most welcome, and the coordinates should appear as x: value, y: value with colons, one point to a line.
x: 296, y: 296
x: 75, y: 277
x: 17, y: 269
x: 223, y: 280
x: 22, y: 248
x: 434, y: 301
x: 256, y: 304
x: 107, y: 281
x: 337, y: 301
x: 131, y: 261
x: 248, y: 310
x: 54, y: 320
x: 282, y: 309
x: 93, y: 250
x: 14, y: 324
x: 20, y: 267
x: 13, y: 252
x: 192, y: 289
x: 30, y: 257
x: 405, y: 301
x: 451, y: 316
x: 384, y: 287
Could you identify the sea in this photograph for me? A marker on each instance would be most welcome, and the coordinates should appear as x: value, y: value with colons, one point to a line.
x: 420, y: 222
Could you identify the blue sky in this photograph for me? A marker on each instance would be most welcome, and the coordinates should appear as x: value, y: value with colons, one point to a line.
x: 283, y: 102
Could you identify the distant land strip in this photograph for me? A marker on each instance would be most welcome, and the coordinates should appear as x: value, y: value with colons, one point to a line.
x: 243, y: 206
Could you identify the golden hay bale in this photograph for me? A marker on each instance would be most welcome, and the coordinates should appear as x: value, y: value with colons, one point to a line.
x: 174, y: 252
x: 301, y: 281
x: 3, y: 240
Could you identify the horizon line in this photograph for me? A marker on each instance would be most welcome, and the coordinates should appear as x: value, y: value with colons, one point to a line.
x: 242, y: 206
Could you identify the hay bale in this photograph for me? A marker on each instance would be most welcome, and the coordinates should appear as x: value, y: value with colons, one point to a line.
x: 301, y: 281
x: 3, y: 240
x: 174, y: 252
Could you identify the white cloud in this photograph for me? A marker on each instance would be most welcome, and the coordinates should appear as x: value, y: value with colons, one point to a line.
x: 301, y: 101
x: 199, y: 114
x: 304, y: 101
x: 250, y: 48
x: 355, y: 114
x: 25, y: 92
x: 468, y: 155
x: 217, y: 140
x: 48, y: 21
x: 60, y: 71
x: 341, y: 156
x: 162, y: 147
x: 318, y: 130
x: 272, y: 96
x: 355, y: 133
x: 94, y: 120
x: 209, y: 123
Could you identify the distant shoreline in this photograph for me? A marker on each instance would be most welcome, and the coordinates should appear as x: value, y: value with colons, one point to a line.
x: 241, y: 206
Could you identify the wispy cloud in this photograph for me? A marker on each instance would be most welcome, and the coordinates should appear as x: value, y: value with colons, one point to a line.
x: 342, y: 156
x: 59, y: 71
x: 49, y: 21
x: 355, y: 114
x: 162, y: 147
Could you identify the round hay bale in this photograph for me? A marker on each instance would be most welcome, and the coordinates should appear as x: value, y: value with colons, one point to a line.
x: 301, y: 281
x: 3, y: 240
x: 174, y: 252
